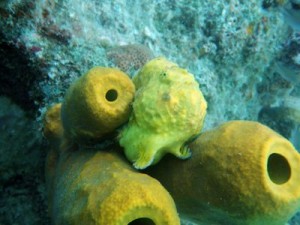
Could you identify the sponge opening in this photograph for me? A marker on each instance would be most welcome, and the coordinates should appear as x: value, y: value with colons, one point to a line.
x: 111, y: 95
x: 142, y: 221
x: 279, y: 169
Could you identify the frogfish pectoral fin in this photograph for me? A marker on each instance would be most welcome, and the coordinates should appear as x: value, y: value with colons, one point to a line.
x: 145, y: 159
x: 184, y: 152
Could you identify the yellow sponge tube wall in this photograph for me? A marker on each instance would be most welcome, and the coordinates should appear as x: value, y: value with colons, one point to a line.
x: 53, y: 129
x: 96, y: 104
x: 241, y: 172
x: 100, y: 188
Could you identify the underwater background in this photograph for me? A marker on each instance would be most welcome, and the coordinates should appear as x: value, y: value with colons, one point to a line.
x: 244, y: 54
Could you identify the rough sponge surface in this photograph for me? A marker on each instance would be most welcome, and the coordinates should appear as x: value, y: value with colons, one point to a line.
x: 241, y: 172
x: 168, y: 110
x: 89, y: 186
x: 256, y: 169
x: 101, y: 188
x: 96, y: 104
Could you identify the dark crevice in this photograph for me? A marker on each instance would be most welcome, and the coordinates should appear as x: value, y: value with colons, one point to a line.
x: 19, y: 75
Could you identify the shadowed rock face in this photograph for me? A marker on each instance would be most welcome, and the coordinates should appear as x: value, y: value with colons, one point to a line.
x: 22, y: 195
x: 19, y: 76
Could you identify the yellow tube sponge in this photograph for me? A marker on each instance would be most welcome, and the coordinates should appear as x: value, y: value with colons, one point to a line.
x: 53, y: 129
x: 241, y: 172
x: 96, y: 104
x: 101, y: 188
x: 168, y: 110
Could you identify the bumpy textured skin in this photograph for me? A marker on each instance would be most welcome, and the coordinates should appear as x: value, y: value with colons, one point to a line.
x: 87, y: 114
x: 228, y: 177
x: 86, y: 186
x: 168, y: 110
